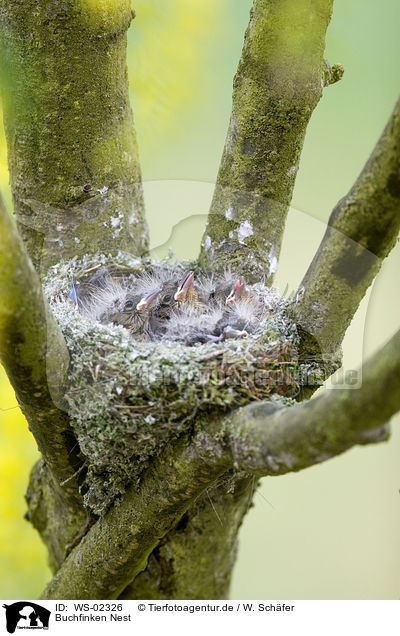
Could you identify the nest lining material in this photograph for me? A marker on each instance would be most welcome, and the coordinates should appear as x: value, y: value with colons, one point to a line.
x: 127, y: 399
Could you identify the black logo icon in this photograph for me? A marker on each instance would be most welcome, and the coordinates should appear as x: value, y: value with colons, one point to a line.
x: 26, y: 615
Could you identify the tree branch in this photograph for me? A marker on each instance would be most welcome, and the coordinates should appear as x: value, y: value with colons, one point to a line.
x: 362, y: 230
x: 72, y: 150
x: 117, y: 547
x: 188, y: 548
x: 278, y: 84
x: 259, y: 438
x: 268, y: 442
x: 34, y: 354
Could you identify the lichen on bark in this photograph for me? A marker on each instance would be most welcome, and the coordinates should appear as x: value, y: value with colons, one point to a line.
x: 72, y: 150
x: 159, y: 480
x: 278, y: 83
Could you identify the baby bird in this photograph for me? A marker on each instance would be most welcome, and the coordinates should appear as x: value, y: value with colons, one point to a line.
x: 215, y: 289
x: 160, y: 306
x: 193, y: 327
x: 187, y: 295
x: 242, y: 315
x: 238, y: 292
x: 81, y: 292
x: 126, y: 315
x: 116, y: 303
x: 162, y: 309
x: 220, y: 309
x: 170, y: 297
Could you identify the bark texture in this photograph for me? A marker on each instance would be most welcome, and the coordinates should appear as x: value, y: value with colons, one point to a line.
x: 34, y: 354
x: 76, y: 185
x: 261, y: 439
x: 278, y: 84
x: 191, y: 563
x: 116, y: 549
x: 72, y: 151
x: 306, y: 434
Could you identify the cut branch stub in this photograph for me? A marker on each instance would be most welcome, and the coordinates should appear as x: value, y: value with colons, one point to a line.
x: 72, y: 150
x: 278, y: 83
x: 332, y: 74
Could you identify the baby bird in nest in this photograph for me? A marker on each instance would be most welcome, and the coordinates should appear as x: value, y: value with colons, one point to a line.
x: 189, y: 299
x: 193, y: 327
x: 143, y: 306
x: 243, y: 313
x: 215, y: 289
x: 168, y: 298
x: 161, y: 306
x: 202, y: 311
x: 220, y: 309
x: 116, y: 303
x: 82, y: 292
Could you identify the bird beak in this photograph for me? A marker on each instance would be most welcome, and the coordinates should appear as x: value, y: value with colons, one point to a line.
x: 237, y: 292
x: 147, y: 301
x: 185, y: 286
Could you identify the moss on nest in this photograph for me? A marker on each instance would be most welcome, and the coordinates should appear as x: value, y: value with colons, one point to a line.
x: 128, y: 399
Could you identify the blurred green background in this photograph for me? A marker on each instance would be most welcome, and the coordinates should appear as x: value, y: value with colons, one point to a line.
x: 332, y: 531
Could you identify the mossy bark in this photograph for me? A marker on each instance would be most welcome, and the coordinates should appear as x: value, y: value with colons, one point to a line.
x: 76, y: 186
x: 34, y: 354
x: 261, y: 439
x: 72, y: 151
x: 95, y: 569
x: 274, y: 442
x: 60, y: 524
x: 278, y: 83
x: 196, y: 559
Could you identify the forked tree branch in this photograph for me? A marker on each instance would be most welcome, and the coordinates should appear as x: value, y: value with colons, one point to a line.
x: 117, y: 547
x: 362, y: 230
x: 291, y: 439
x: 34, y: 355
x: 259, y: 439
x: 72, y: 150
x: 278, y: 84
x: 64, y: 135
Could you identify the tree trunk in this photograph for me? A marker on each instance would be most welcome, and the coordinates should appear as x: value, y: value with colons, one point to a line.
x: 72, y: 150
x: 279, y: 82
x: 195, y: 560
x: 171, y: 530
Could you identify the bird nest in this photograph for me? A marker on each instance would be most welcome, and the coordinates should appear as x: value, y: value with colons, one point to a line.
x: 127, y: 399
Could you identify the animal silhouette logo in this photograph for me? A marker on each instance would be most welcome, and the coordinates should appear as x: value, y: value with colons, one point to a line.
x: 26, y: 615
